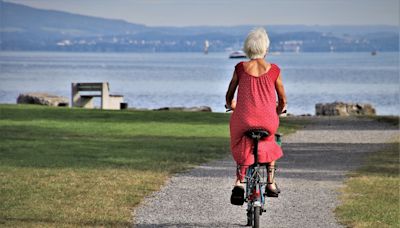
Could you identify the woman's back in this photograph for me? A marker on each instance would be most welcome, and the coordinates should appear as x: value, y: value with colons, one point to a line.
x: 257, y: 67
x: 256, y: 99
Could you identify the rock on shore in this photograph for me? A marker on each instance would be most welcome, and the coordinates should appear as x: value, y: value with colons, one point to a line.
x: 184, y: 109
x: 344, y: 109
x: 42, y: 99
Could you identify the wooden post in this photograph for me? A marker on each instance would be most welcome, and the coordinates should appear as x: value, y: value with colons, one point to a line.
x: 105, y: 95
x: 75, y: 97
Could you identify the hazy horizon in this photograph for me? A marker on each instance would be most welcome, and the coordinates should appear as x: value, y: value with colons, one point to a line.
x: 231, y: 13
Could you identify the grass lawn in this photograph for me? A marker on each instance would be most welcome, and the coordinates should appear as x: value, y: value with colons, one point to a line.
x: 371, y: 197
x: 393, y: 120
x: 63, y: 167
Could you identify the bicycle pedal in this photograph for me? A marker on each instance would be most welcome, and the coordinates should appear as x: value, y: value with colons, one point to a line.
x: 272, y: 195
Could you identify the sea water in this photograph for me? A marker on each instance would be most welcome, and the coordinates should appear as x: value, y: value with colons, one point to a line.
x: 155, y: 80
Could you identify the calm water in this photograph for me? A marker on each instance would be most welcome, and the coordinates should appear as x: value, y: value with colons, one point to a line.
x: 153, y: 80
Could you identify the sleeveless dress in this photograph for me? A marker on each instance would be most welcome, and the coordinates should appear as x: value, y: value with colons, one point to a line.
x: 255, y: 108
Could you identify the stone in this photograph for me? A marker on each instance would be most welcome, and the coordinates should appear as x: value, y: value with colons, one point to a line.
x: 42, y: 99
x: 185, y: 109
x: 199, y: 109
x: 344, y: 109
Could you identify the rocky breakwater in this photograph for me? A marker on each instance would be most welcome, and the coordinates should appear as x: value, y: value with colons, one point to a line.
x: 184, y: 109
x: 344, y: 109
x: 42, y: 99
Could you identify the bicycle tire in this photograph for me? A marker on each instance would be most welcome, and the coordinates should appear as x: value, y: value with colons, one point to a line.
x: 256, y: 214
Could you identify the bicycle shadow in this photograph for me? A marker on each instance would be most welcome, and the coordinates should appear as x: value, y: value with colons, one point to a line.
x: 169, y: 225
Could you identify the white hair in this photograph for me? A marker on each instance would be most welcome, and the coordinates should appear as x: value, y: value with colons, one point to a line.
x: 256, y: 44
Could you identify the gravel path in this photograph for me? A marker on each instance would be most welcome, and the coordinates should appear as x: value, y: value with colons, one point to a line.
x: 315, y: 161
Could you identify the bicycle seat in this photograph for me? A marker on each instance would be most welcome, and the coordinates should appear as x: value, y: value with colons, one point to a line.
x: 256, y: 133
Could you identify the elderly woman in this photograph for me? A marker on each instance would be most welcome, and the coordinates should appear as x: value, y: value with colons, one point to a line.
x: 258, y: 82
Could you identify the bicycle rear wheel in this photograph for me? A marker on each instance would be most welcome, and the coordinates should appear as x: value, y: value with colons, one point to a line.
x: 256, y: 214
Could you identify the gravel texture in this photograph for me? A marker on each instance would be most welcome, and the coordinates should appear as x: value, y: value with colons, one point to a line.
x: 314, y: 165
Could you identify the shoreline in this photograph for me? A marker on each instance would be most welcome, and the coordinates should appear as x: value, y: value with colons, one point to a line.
x: 193, y: 109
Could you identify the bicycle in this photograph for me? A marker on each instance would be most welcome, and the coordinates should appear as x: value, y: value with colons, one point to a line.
x: 256, y: 180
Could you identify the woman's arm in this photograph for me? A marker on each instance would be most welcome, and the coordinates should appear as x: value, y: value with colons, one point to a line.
x: 280, y: 90
x: 231, y: 92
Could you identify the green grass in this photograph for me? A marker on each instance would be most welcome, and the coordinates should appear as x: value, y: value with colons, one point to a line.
x: 371, y: 197
x: 393, y: 120
x: 63, y: 167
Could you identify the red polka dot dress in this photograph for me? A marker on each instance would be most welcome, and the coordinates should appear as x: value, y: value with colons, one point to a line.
x: 255, y: 108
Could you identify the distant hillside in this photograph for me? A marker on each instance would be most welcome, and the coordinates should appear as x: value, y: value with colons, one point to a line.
x: 27, y: 19
x: 27, y: 28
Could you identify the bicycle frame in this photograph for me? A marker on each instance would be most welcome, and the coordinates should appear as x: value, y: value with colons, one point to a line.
x: 256, y: 181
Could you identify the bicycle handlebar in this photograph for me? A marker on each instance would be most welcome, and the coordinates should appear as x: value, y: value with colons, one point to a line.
x: 227, y: 109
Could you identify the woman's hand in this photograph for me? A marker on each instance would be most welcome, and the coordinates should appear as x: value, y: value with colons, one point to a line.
x: 231, y: 106
x: 281, y: 109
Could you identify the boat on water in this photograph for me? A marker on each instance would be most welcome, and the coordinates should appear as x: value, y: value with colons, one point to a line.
x: 237, y: 55
x: 275, y: 53
x: 206, y: 46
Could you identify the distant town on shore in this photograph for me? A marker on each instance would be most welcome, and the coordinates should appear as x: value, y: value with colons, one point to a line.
x: 49, y: 30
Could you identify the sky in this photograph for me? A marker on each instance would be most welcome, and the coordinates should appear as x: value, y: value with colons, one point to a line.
x: 232, y: 12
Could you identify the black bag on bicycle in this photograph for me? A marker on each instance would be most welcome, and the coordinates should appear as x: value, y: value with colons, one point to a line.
x: 237, y: 197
